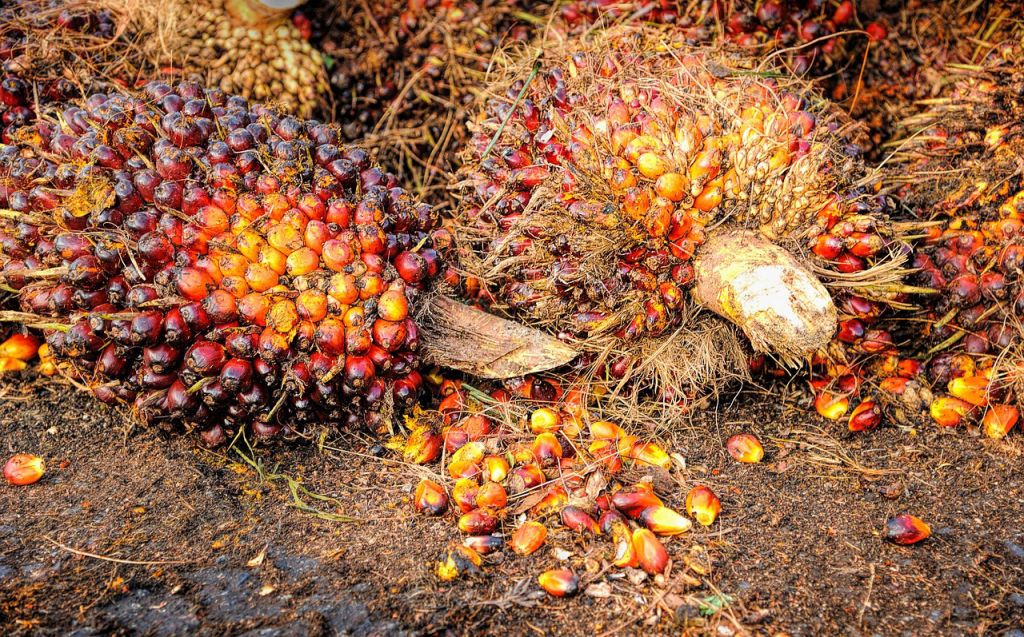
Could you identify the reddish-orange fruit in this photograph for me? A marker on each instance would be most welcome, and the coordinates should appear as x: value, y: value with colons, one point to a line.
x: 12, y: 365
x: 22, y: 347
x: 491, y: 495
x: 906, y: 529
x: 24, y: 469
x: 466, y: 461
x: 464, y: 493
x: 430, y: 498
x: 625, y: 552
x: 528, y: 537
x: 948, y: 411
x: 972, y: 389
x: 651, y: 453
x: 546, y: 449
x: 422, y: 447
x: 495, y: 468
x: 604, y: 430
x: 479, y: 522
x: 831, y: 406
x: 525, y: 477
x: 552, y: 502
x: 650, y: 552
x: 665, y: 521
x: 745, y: 448
x: 999, y: 420
x: 703, y: 505
x: 633, y: 500
x: 484, y: 544
x: 559, y: 582
x: 456, y: 561
x: 865, y: 416
x: 578, y: 520
x: 545, y: 420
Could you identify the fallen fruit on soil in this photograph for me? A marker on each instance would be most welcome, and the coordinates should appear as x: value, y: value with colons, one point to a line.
x: 664, y: 521
x: 430, y: 498
x: 703, y: 505
x: 650, y: 552
x: 23, y: 469
x: 745, y: 448
x: 906, y: 529
x: 559, y: 582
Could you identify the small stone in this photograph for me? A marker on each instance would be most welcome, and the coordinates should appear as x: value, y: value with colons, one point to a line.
x: 599, y: 590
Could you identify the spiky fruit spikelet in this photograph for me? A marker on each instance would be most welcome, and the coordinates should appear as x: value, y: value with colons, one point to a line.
x: 598, y: 180
x: 215, y: 263
x: 248, y: 49
x: 959, y: 167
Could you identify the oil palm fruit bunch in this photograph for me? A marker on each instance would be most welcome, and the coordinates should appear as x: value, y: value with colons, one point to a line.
x: 527, y: 466
x: 253, y: 49
x: 959, y: 167
x: 215, y: 263
x: 626, y: 188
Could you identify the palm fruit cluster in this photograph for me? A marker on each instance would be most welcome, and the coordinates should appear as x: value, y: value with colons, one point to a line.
x: 245, y: 48
x: 215, y: 263
x: 596, y: 179
x: 959, y: 168
x: 527, y: 467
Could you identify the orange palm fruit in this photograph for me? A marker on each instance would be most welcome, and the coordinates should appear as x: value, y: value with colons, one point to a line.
x: 23, y: 469
x: 545, y: 420
x: 546, y: 449
x: 831, y: 406
x: 528, y: 537
x: 633, y: 500
x: 478, y: 522
x: 906, y: 529
x: 552, y: 502
x: 625, y: 552
x: 650, y: 552
x: 476, y: 426
x: 665, y: 521
x: 423, y: 446
x: 999, y: 420
x: 525, y: 477
x: 745, y: 448
x: 22, y: 347
x: 865, y: 416
x: 483, y: 544
x: 465, y: 461
x: 491, y: 495
x: 559, y: 582
x: 651, y: 453
x: 576, y: 519
x: 12, y: 365
x: 456, y: 561
x: 604, y: 430
x: 495, y: 468
x: 971, y: 389
x: 949, y: 411
x: 464, y: 493
x: 703, y: 505
x: 606, y: 452
x: 430, y: 498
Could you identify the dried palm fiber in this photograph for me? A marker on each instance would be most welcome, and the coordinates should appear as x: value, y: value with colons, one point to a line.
x: 55, y: 50
x: 611, y: 177
x: 214, y: 263
x: 959, y: 164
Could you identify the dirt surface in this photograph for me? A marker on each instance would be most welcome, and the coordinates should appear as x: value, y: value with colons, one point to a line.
x: 185, y: 541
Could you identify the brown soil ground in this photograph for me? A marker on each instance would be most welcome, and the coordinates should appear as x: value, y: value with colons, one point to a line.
x: 797, y: 548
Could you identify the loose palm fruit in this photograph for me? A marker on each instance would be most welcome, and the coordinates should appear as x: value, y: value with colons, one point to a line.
x: 664, y: 521
x: 948, y: 411
x: 650, y: 453
x: 865, y: 416
x: 495, y: 468
x: 457, y: 561
x: 528, y: 537
x: 545, y: 420
x: 973, y: 389
x: 906, y: 529
x: 22, y: 347
x: 830, y: 405
x: 745, y: 448
x: 478, y: 522
x: 484, y: 544
x: 703, y: 505
x: 464, y: 493
x: 24, y: 469
x: 578, y: 520
x: 559, y: 582
x: 491, y: 495
x: 147, y: 252
x: 633, y: 500
x: 423, y: 446
x: 999, y: 420
x: 651, y: 554
x: 430, y: 498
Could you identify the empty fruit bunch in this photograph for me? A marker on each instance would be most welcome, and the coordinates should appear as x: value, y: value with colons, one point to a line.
x: 612, y: 182
x: 213, y: 262
x: 959, y: 167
